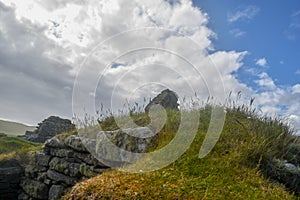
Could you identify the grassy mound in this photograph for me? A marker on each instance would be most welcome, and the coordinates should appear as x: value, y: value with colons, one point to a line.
x: 230, y: 171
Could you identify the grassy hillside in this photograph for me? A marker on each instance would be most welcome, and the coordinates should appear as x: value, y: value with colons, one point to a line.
x: 14, y: 128
x: 230, y: 171
x: 11, y: 144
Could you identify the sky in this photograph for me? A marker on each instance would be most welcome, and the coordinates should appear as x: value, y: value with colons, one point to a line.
x: 59, y: 57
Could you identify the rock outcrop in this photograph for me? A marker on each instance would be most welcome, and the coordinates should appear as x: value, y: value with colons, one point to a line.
x: 63, y: 162
x: 49, y: 128
x: 167, y: 98
x: 283, y: 172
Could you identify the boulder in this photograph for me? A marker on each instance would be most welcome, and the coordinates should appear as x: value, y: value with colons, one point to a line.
x: 49, y: 128
x: 167, y: 98
x: 284, y: 172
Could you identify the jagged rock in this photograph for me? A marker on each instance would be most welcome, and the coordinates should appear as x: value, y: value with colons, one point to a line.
x: 60, y: 178
x: 56, y: 191
x: 167, y: 98
x: 49, y: 128
x: 284, y: 172
x: 35, y: 189
x: 65, y: 167
x: 75, y: 143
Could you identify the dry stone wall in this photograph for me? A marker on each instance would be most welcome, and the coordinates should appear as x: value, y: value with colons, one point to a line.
x: 63, y: 162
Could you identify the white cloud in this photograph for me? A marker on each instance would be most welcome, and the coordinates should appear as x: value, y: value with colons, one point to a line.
x: 40, y: 55
x: 294, y: 121
x: 295, y: 20
x: 237, y: 33
x: 51, y: 47
x: 279, y: 101
x: 296, y: 89
x: 298, y: 72
x: 246, y: 13
x: 261, y: 62
x: 292, y: 32
x: 265, y: 81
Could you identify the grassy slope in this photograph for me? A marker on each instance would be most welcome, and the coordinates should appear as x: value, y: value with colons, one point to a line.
x: 10, y: 144
x: 14, y: 128
x: 230, y: 171
x: 13, y: 148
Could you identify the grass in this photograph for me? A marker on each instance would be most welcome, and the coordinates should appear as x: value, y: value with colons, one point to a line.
x: 14, y: 128
x: 230, y: 171
x: 16, y: 148
x: 10, y: 144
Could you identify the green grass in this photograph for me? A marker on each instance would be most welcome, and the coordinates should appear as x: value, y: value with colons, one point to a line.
x: 12, y: 148
x: 14, y: 128
x: 230, y: 171
x: 10, y: 144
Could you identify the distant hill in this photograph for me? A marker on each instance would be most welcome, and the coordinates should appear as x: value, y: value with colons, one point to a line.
x: 14, y: 128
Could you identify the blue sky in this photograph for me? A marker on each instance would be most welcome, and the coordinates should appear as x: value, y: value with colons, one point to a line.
x: 267, y: 29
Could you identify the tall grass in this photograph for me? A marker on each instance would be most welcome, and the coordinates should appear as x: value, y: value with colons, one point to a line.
x: 266, y: 136
x: 230, y: 171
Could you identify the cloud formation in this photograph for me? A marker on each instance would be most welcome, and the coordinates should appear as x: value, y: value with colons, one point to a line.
x: 237, y: 32
x: 33, y: 85
x: 243, y: 14
x: 275, y: 100
x: 47, y: 50
x: 295, y: 20
x: 294, y: 26
x: 44, y: 45
x: 262, y: 62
